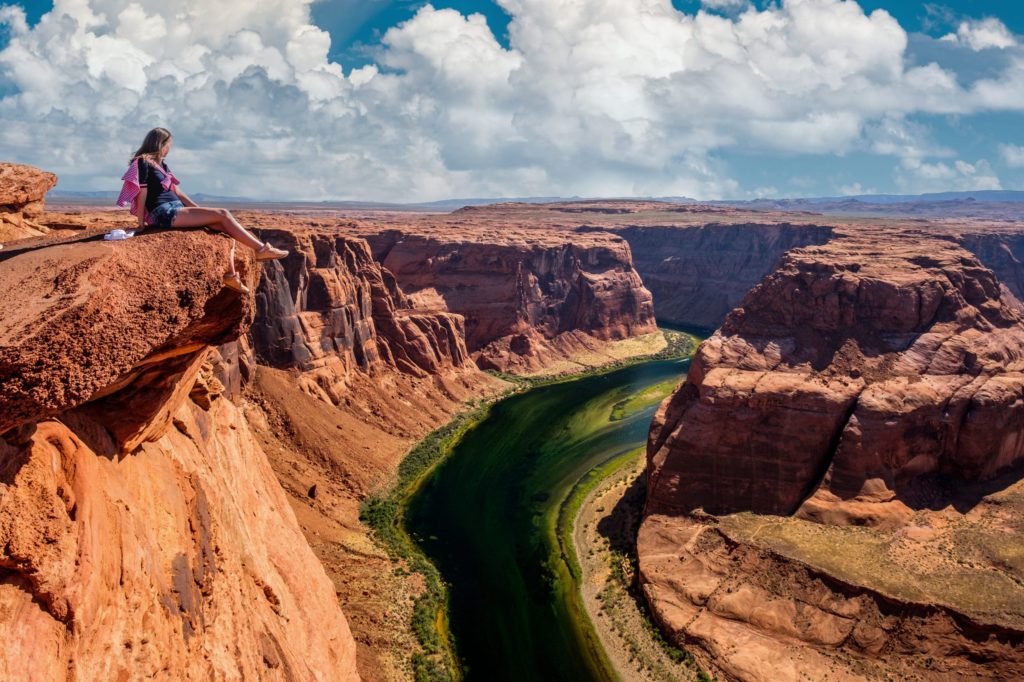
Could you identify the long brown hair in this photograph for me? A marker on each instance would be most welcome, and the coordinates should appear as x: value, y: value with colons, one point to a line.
x: 151, y: 146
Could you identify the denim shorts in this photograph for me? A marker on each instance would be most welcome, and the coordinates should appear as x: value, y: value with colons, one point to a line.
x: 163, y: 215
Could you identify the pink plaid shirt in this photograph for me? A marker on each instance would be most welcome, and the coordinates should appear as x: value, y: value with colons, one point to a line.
x: 130, y: 189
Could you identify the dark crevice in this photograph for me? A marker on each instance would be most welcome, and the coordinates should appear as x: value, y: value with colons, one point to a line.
x: 833, y: 449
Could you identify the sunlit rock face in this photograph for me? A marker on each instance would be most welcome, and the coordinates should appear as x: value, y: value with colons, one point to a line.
x: 22, y: 198
x: 873, y: 383
x: 144, y: 532
x: 527, y: 298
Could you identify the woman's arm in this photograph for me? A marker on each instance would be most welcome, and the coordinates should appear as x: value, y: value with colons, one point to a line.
x: 184, y: 197
x: 140, y: 206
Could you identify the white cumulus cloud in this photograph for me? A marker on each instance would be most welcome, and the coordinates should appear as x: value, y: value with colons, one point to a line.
x: 592, y: 97
x: 982, y: 34
x: 917, y: 176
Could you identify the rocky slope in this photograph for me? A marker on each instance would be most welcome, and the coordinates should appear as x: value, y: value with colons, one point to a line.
x: 22, y: 192
x: 528, y: 299
x: 866, y: 382
x: 144, y: 532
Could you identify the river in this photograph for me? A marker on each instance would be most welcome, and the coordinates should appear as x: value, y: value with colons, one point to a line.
x: 488, y: 519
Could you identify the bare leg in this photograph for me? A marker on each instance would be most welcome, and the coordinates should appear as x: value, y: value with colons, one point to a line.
x: 218, y: 219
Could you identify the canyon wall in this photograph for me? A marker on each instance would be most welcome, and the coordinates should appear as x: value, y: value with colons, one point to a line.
x: 144, y: 532
x: 698, y: 273
x: 527, y: 298
x: 872, y: 383
x: 350, y: 377
x: 330, y: 310
x: 1002, y: 251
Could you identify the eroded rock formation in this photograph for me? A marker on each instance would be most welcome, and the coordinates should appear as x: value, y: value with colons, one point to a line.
x: 22, y: 192
x: 330, y: 310
x: 144, y: 532
x: 874, y: 381
x: 872, y: 361
x: 527, y: 299
x: 351, y: 376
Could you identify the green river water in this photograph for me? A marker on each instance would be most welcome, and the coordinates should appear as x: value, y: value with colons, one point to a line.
x: 489, y: 519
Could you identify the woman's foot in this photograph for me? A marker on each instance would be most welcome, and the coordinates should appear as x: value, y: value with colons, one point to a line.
x: 268, y: 252
x: 233, y: 281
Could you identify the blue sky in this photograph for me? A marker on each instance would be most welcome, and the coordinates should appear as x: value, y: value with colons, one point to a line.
x: 451, y: 107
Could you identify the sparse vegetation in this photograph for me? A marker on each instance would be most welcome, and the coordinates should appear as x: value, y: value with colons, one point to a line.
x: 382, y: 513
x: 620, y: 606
x: 679, y: 345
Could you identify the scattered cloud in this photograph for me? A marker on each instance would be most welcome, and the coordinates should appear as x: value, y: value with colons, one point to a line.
x: 915, y: 176
x: 726, y: 5
x: 982, y: 34
x: 1013, y: 155
x: 855, y: 189
x: 591, y: 97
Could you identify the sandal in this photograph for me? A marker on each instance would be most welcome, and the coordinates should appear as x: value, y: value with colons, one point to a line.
x: 268, y: 252
x: 233, y: 281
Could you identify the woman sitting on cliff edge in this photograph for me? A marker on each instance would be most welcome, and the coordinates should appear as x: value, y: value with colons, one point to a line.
x: 152, y: 192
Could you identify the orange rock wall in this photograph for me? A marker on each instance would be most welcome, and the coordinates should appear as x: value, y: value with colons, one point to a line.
x: 144, y: 532
x: 873, y: 362
x: 515, y: 297
x: 330, y: 310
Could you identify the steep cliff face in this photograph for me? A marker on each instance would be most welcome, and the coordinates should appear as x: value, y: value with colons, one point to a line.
x: 527, y: 300
x: 143, y: 530
x: 879, y: 359
x: 1003, y: 253
x: 331, y: 310
x: 875, y: 382
x: 698, y: 273
x: 22, y: 192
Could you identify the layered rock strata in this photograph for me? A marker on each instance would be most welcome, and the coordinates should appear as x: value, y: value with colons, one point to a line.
x: 864, y: 383
x: 331, y: 310
x: 22, y: 198
x: 873, y: 362
x: 143, y: 530
x: 351, y: 375
x: 698, y: 273
x: 749, y: 610
x: 526, y: 301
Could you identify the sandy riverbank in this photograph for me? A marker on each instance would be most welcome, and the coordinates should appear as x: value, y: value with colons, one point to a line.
x: 604, y: 537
